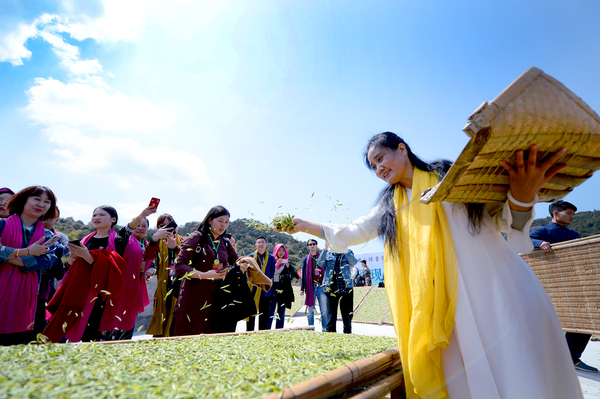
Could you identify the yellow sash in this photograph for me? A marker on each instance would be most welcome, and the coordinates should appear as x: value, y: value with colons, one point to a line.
x: 420, y: 283
x: 160, y: 324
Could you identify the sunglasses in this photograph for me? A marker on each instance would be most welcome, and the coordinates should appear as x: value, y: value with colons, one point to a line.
x: 311, y: 244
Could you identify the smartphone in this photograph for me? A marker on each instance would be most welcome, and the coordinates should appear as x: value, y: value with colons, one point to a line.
x: 52, y: 240
x: 227, y: 235
x: 225, y: 269
x: 154, y: 202
x: 75, y: 242
x: 171, y: 225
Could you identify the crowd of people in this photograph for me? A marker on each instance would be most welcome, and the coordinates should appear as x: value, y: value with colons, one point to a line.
x: 93, y: 289
x: 472, y: 319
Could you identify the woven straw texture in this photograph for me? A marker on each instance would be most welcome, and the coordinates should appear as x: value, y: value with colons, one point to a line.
x: 534, y: 109
x: 571, y: 276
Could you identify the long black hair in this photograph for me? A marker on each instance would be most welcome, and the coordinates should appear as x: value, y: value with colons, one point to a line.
x: 213, y: 213
x: 387, y: 224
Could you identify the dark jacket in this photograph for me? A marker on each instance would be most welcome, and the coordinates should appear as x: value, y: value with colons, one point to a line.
x: 285, y: 292
x: 304, y: 266
x: 552, y: 233
x: 233, y: 301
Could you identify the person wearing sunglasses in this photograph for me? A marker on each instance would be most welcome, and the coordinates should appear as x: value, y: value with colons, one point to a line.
x: 312, y: 285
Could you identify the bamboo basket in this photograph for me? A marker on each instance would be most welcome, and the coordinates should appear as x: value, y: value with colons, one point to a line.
x: 534, y: 109
x: 571, y: 276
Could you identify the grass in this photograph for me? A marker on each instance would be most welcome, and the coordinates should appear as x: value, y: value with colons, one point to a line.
x: 298, y: 302
x: 245, y: 366
x: 373, y: 308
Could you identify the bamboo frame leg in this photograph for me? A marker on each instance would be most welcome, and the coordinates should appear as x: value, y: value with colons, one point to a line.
x: 398, y: 393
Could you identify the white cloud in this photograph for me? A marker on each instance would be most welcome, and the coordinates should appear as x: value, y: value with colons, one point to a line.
x: 76, y: 210
x: 106, y: 20
x: 69, y: 55
x: 12, y: 45
x: 92, y: 106
x: 125, y: 162
x: 102, y: 20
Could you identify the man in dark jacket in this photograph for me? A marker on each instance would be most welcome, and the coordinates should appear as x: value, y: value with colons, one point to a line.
x: 556, y: 231
x: 263, y: 299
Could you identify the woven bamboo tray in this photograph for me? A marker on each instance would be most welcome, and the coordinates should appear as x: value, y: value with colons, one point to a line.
x: 534, y: 109
x: 571, y: 276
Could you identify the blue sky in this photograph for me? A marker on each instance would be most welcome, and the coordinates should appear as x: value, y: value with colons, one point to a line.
x: 258, y: 105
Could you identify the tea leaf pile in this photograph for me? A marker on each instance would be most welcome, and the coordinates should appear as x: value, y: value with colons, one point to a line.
x: 245, y: 366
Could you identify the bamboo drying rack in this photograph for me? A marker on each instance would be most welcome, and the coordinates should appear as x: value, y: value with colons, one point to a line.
x: 534, y: 109
x: 571, y: 276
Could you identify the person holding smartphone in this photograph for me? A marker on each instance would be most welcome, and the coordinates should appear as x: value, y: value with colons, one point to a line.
x: 203, y: 263
x: 164, y: 248
x: 119, y: 318
x: 33, y: 251
x: 94, y: 276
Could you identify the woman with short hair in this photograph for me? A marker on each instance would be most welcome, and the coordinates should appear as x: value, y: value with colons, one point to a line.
x: 24, y: 231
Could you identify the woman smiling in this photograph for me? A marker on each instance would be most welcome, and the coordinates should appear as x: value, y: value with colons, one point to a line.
x: 472, y: 319
x: 203, y: 262
x: 18, y: 278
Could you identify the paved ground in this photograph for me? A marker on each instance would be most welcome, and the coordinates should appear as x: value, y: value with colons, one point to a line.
x: 590, y: 382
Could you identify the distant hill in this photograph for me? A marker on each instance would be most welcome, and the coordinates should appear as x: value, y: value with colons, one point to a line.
x: 245, y: 237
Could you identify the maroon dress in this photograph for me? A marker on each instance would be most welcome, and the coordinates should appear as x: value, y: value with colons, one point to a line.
x: 194, y: 307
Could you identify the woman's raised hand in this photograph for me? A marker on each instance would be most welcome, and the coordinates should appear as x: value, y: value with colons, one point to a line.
x: 38, y: 248
x: 528, y: 177
x: 146, y: 212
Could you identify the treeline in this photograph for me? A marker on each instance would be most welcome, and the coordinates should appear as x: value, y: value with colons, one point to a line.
x: 246, y: 231
x: 243, y: 230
